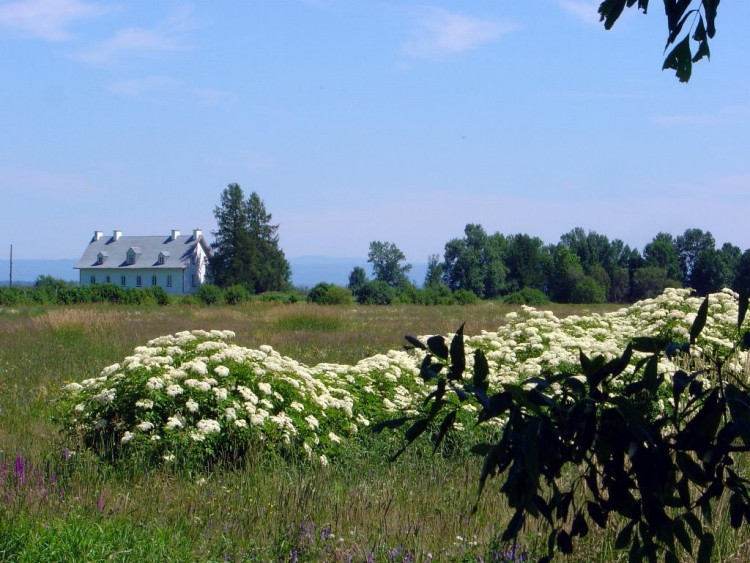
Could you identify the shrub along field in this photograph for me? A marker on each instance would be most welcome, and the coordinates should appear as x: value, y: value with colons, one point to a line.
x: 63, y: 502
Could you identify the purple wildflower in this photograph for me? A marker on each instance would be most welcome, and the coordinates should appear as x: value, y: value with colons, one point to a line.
x: 20, y: 469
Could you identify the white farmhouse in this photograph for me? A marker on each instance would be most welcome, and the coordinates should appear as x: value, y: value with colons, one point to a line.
x: 178, y: 263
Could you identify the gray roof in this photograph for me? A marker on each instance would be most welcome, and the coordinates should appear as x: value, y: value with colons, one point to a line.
x: 177, y: 252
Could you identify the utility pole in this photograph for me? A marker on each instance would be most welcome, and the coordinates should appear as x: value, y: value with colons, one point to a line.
x: 10, y: 275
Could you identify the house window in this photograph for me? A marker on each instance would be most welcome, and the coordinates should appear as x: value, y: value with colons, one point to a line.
x: 108, y: 280
x: 138, y: 281
x: 162, y: 257
x: 169, y: 280
x: 123, y: 283
x: 93, y: 280
x: 153, y: 280
x: 132, y: 254
x: 195, y: 280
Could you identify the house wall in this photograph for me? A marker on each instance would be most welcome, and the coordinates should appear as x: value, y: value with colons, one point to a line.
x: 115, y: 275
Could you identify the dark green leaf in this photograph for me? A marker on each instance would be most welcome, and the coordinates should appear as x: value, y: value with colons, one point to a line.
x: 699, y: 322
x: 683, y: 490
x: 736, y: 510
x: 393, y: 423
x: 701, y: 37
x: 706, y: 548
x: 538, y: 382
x: 481, y: 449
x: 696, y: 387
x: 651, y: 374
x: 676, y: 29
x: 634, y: 553
x: 616, y: 366
x: 580, y: 527
x: 682, y: 535
x: 695, y: 524
x: 590, y: 365
x: 623, y: 538
x: 514, y: 526
x: 709, y: 8
x: 498, y: 404
x: 543, y: 508
x: 680, y: 381
x: 610, y: 11
x: 493, y: 461
x: 597, y: 514
x: 446, y: 425
x: 415, y: 342
x: 575, y: 384
x: 691, y: 469
x: 564, y: 542
x: 481, y: 370
x: 429, y: 370
x: 649, y: 344
x: 680, y: 60
x: 414, y: 431
x: 458, y: 357
x: 438, y: 346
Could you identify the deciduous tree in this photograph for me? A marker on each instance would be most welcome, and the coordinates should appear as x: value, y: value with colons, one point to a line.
x: 386, y: 259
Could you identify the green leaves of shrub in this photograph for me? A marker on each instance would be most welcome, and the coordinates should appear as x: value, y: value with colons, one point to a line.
x: 661, y: 470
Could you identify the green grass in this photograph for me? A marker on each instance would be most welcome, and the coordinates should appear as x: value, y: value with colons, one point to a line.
x: 78, y: 508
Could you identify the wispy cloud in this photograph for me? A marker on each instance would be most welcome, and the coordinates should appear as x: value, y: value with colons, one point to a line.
x: 50, y: 20
x: 442, y: 33
x: 141, y: 87
x: 170, y: 37
x: 586, y: 11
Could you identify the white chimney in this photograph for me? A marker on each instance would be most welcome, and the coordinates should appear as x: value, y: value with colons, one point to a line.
x: 98, y: 235
x: 116, y: 234
x: 197, y: 234
x: 175, y: 234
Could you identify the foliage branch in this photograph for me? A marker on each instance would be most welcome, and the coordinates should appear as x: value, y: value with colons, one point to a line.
x: 701, y: 16
x: 581, y: 450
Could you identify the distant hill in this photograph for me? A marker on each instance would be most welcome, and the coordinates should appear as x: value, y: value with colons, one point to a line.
x: 27, y: 271
x: 310, y: 270
x: 306, y: 270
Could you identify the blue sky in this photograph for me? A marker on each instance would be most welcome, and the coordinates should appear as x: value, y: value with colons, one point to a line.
x: 362, y: 120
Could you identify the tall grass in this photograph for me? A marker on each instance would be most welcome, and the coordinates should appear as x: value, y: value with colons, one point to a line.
x: 61, y: 503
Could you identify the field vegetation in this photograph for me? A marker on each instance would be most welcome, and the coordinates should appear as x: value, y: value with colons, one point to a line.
x: 61, y: 502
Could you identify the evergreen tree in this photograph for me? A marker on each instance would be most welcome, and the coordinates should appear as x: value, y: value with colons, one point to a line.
x: 246, y: 246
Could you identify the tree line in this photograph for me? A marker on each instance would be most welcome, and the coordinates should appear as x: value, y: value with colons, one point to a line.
x: 583, y: 267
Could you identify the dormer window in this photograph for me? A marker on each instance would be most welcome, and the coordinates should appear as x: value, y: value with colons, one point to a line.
x: 132, y: 255
x: 101, y: 257
x: 162, y: 258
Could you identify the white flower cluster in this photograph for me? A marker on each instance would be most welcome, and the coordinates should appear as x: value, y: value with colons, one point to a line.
x: 261, y: 397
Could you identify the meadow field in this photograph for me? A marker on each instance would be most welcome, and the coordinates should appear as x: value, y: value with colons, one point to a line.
x: 62, y: 503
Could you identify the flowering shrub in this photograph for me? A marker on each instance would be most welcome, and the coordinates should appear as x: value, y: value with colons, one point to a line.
x: 585, y: 443
x: 196, y: 396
